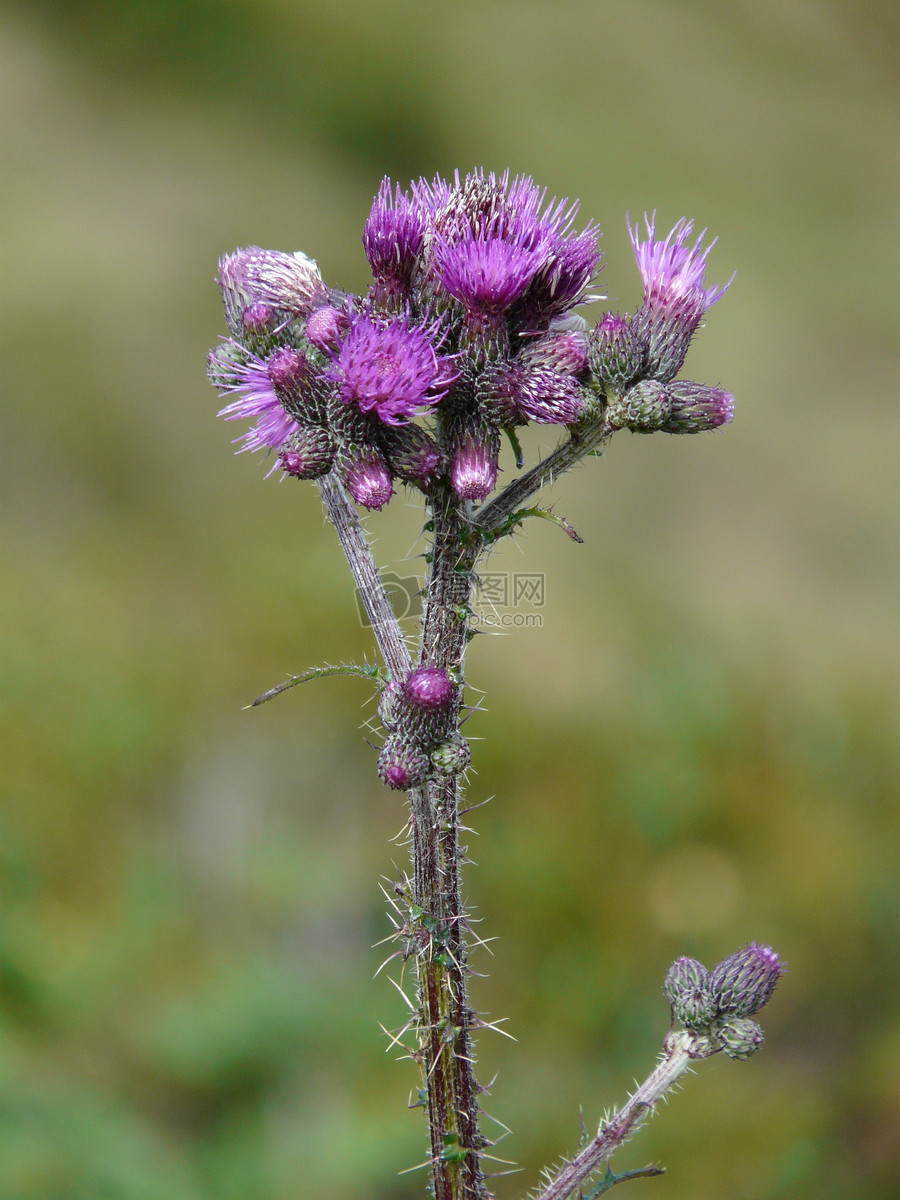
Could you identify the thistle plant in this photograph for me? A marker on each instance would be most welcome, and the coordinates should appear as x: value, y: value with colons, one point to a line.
x: 467, y: 334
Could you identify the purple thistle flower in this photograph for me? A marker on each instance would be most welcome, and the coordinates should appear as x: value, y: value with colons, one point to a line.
x: 258, y: 401
x: 391, y: 367
x: 485, y: 273
x: 675, y: 294
x: 393, y: 238
x: 568, y: 271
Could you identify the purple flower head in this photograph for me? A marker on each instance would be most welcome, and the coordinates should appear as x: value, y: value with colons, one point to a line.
x: 367, y: 476
x: 744, y: 981
x: 428, y: 688
x: 485, y: 273
x: 326, y: 326
x: 672, y: 271
x: 390, y: 367
x: 393, y: 238
x: 258, y: 401
x: 675, y: 293
x: 496, y: 240
x: 290, y: 282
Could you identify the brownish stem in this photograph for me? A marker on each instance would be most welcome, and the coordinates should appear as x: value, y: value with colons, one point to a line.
x: 439, y: 920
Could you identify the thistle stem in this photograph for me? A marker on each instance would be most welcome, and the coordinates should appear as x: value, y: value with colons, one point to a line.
x: 567, y: 455
x: 677, y: 1059
x: 441, y: 955
x: 368, y: 582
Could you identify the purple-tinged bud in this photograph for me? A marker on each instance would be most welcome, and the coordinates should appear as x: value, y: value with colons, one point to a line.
x: 517, y: 392
x: 298, y: 385
x: 473, y: 464
x: 675, y: 294
x: 308, y: 453
x: 401, y: 763
x: 689, y: 991
x: 563, y: 350
x: 743, y: 982
x: 413, y: 454
x: 326, y: 326
x: 429, y: 688
x: 451, y: 757
x: 739, y: 1037
x: 696, y: 407
x: 367, y: 476
x: 617, y: 354
x: 257, y: 317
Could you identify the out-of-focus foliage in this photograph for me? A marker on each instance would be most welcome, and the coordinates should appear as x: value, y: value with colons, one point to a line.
x: 697, y: 746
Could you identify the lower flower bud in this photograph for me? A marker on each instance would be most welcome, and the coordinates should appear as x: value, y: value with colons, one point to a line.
x: 308, y: 453
x: 739, y: 1037
x: 452, y: 756
x: 402, y: 764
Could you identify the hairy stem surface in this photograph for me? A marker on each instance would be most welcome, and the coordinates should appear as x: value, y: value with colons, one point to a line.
x: 440, y: 923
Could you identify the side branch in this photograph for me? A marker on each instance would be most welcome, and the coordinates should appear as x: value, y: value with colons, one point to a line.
x: 677, y: 1059
x: 565, y: 456
x: 368, y: 582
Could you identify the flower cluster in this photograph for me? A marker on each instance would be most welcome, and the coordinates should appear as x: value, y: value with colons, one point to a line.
x: 467, y: 331
x: 418, y: 715
x: 717, y: 1006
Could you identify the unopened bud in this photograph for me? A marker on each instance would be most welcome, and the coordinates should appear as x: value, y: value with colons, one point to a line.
x: 688, y: 987
x: 401, y: 763
x: 308, y: 453
x: 739, y: 1037
x: 744, y: 981
x: 616, y: 352
x: 451, y: 757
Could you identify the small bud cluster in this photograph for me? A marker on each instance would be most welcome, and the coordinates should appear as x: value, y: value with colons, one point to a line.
x: 467, y: 330
x: 716, y: 1006
x: 419, y: 715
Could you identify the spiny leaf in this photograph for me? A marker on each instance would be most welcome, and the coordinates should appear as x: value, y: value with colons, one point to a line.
x: 365, y: 671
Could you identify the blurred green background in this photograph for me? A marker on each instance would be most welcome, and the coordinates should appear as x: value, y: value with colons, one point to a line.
x: 696, y: 748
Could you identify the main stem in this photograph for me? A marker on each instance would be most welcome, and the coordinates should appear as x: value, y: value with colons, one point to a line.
x: 438, y: 918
